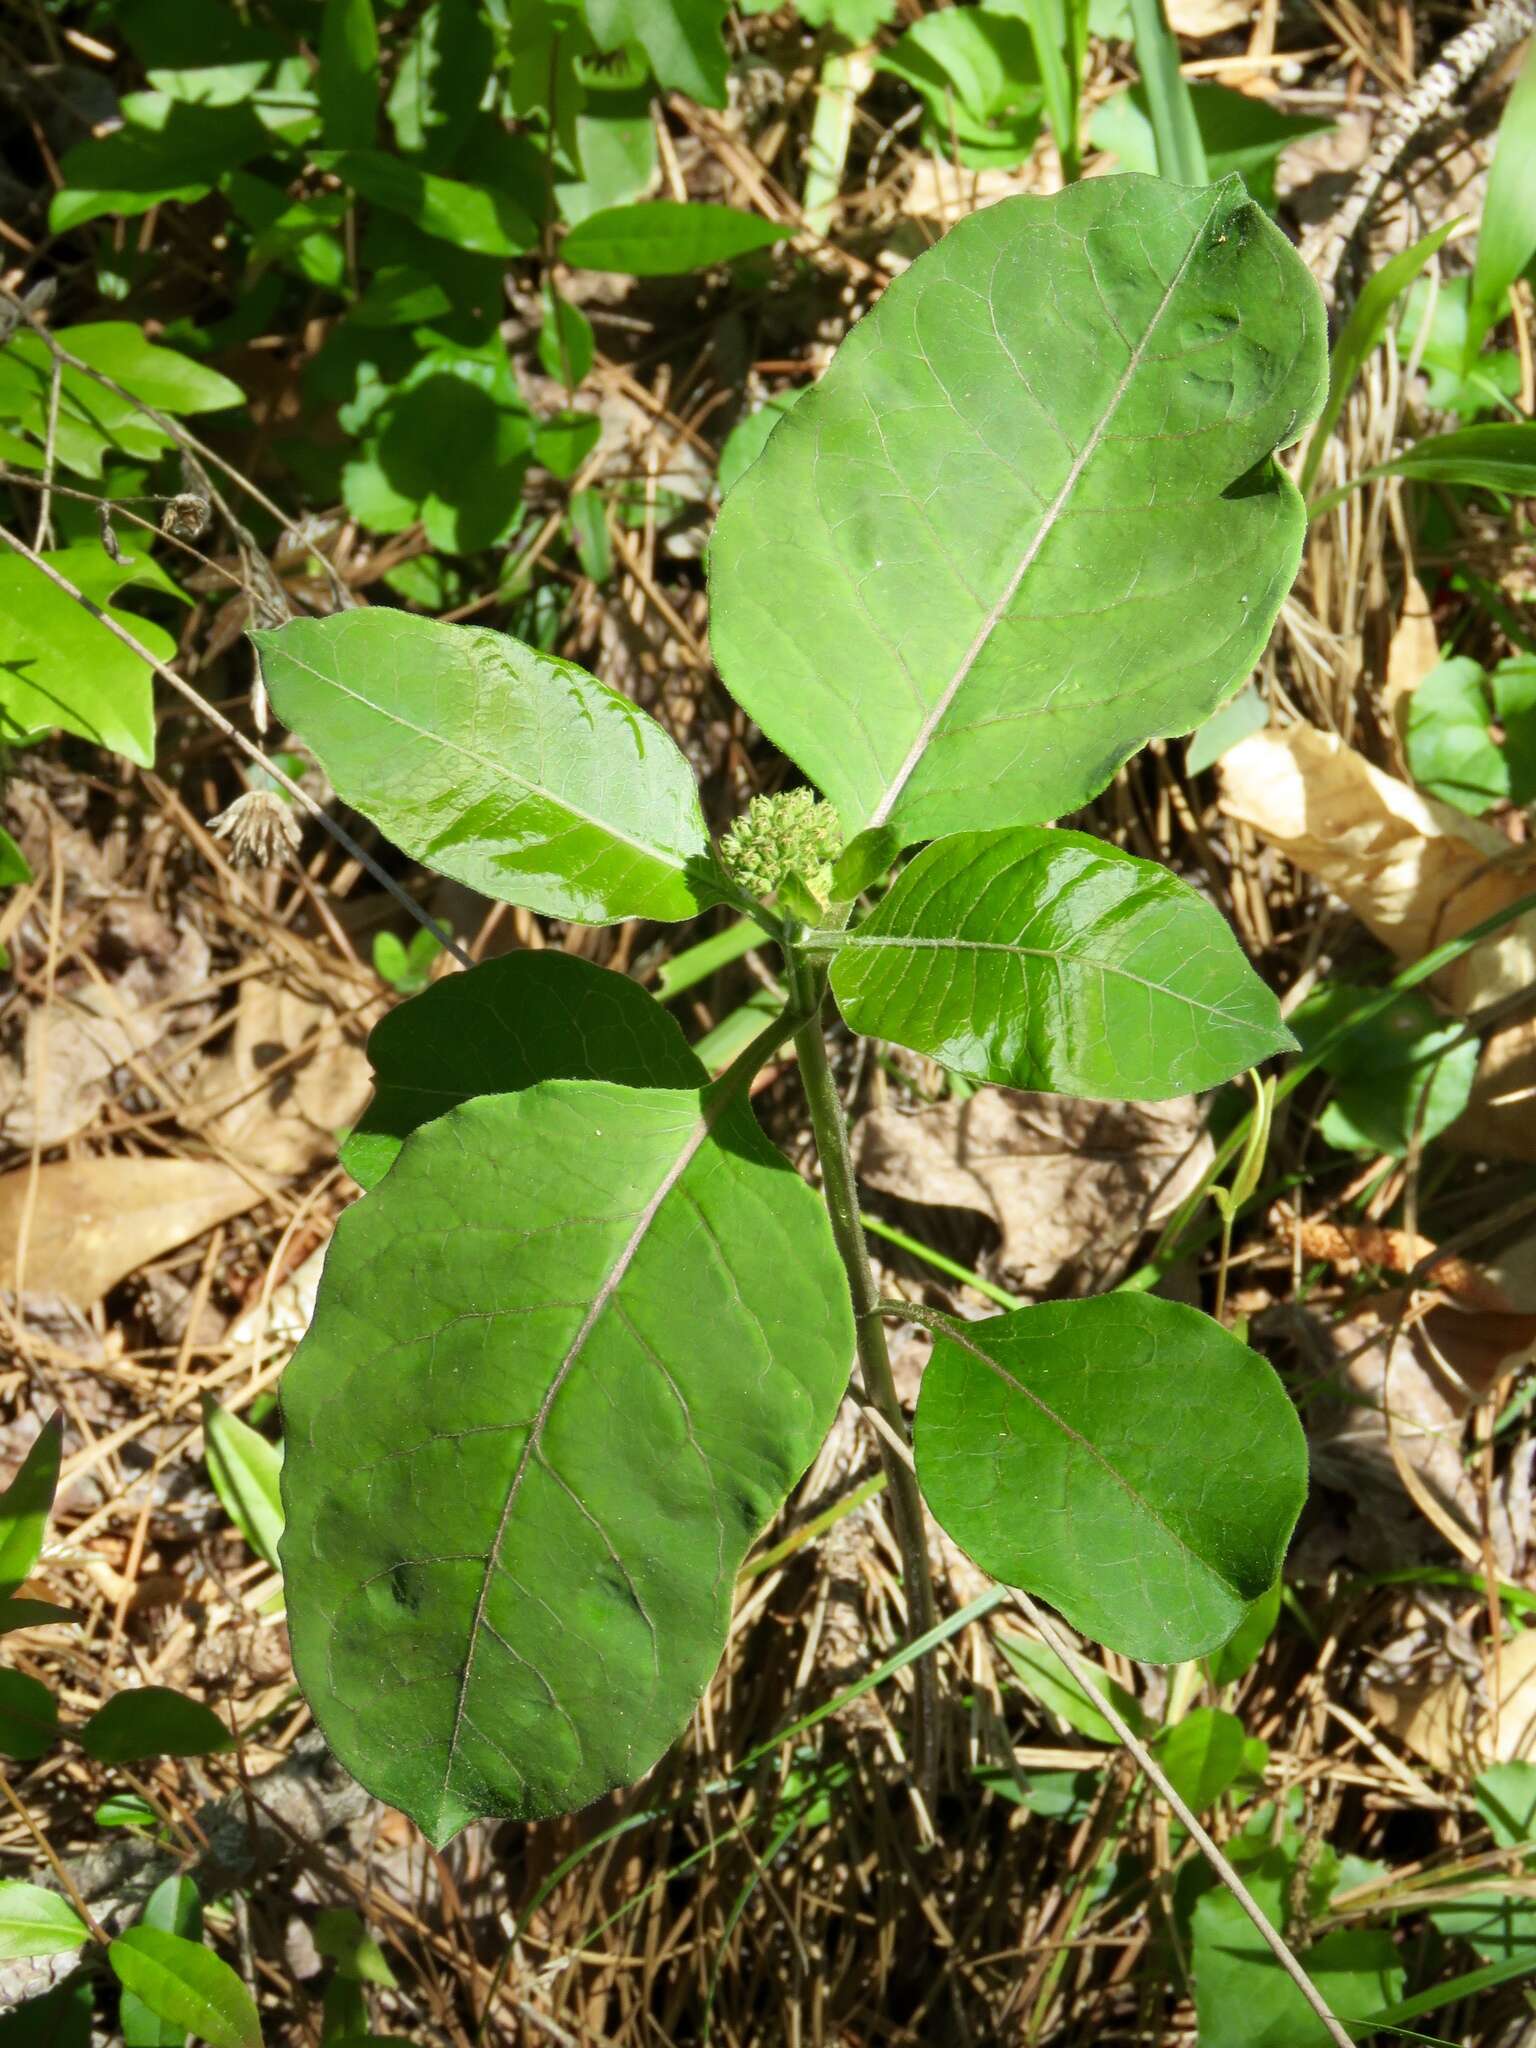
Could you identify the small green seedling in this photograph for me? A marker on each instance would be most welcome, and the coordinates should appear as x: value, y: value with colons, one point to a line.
x: 406, y: 967
x: 587, y: 1327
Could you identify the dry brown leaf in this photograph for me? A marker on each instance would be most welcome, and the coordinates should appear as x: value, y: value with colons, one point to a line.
x: 1071, y: 1186
x: 1415, y: 872
x: 275, y: 1113
x: 945, y: 192
x: 1413, y: 652
x: 1350, y: 1246
x: 95, y: 1221
x: 1449, y: 1721
x: 1198, y: 18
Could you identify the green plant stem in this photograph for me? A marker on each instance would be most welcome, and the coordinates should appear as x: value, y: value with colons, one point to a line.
x: 808, y: 988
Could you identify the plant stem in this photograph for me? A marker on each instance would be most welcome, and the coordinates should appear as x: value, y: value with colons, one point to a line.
x: 831, y: 1132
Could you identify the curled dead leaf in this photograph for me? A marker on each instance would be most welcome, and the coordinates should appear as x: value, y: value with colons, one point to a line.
x: 1450, y: 1722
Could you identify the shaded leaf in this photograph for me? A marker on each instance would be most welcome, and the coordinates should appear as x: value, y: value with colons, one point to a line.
x: 1041, y: 1672
x: 1203, y: 1755
x: 478, y: 217
x: 976, y: 73
x: 1058, y: 425
x: 518, y: 1492
x: 187, y: 1984
x: 1049, y: 960
x: 1241, y: 1992
x: 348, y: 79
x: 1242, y: 1650
x: 1447, y: 740
x: 29, y: 1717
x: 440, y: 80
x: 175, y: 1907
x: 341, y: 1935
x: 527, y: 1017
x: 1247, y: 712
x: 59, y: 2019
x: 566, y: 344
x: 152, y: 1721
x: 34, y: 1922
x: 1408, y: 1071
x: 1124, y: 1457
x: 664, y: 237
x: 488, y: 761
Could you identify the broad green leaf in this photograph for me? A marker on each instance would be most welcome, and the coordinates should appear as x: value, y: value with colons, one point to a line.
x: 479, y: 217
x: 519, y: 1490
x: 187, y: 1984
x: 1433, y: 333
x: 1506, y: 1798
x: 500, y: 766
x: 173, y: 1906
x: 167, y: 151
x: 34, y: 1922
x: 1405, y: 1071
x: 1049, y: 960
x: 589, y: 532
x: 976, y: 73
x: 151, y: 1721
x: 25, y: 1503
x: 664, y: 237
x: 681, y: 38
x: 1203, y: 1755
x: 161, y: 377
x: 441, y: 80
x: 1506, y: 236
x: 29, y: 1716
x: 1041, y: 1672
x: 749, y: 437
x: 1514, y: 702
x: 59, y: 669
x: 245, y: 1469
x: 1124, y: 1457
x: 125, y: 1810
x: 1238, y: 131
x: 504, y: 1025
x: 1057, y: 427
x: 565, y: 440
x: 1450, y: 748
x: 616, y: 147
x: 1243, y: 1996
x: 348, y: 79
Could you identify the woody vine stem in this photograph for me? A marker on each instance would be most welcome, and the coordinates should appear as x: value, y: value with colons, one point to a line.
x: 808, y: 990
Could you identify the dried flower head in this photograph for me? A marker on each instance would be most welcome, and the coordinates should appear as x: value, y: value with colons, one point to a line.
x: 260, y: 829
x: 793, y: 833
x: 186, y: 516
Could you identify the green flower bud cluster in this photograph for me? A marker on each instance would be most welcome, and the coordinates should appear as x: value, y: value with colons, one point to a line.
x: 793, y: 833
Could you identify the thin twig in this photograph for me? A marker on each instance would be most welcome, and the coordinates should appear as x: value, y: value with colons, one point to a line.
x: 247, y: 747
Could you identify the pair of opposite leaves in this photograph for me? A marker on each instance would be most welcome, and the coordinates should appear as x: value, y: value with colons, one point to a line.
x: 569, y: 1359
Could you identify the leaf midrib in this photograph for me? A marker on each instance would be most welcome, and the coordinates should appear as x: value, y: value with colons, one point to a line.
x: 564, y: 803
x: 860, y: 943
x: 963, y: 1343
x: 1047, y: 526
x: 609, y: 1285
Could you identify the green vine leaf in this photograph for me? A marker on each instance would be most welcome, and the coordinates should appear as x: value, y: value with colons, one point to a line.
x: 505, y: 1025
x: 505, y: 768
x: 1050, y: 960
x: 1123, y: 1457
x: 566, y: 1362
x: 1030, y: 517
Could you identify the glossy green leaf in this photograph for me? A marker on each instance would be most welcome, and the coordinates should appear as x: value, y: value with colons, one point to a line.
x: 749, y: 437
x: 1242, y: 1650
x: 1450, y: 748
x: 566, y: 1361
x: 527, y: 1017
x: 1124, y: 1457
x: 1049, y: 960
x: 348, y: 79
x: 25, y: 1503
x: 1506, y: 236
x: 1058, y: 427
x: 152, y: 1720
x: 681, y: 38
x: 59, y: 669
x: 34, y: 1922
x: 1203, y: 1755
x: 187, y: 1984
x: 246, y: 1470
x: 1041, y: 1672
x: 479, y: 217
x: 500, y: 766
x: 665, y: 237
x: 174, y: 1907
x: 120, y: 349
x: 29, y: 1716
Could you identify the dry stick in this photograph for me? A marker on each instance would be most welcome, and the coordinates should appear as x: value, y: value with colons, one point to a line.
x: 1463, y: 56
x: 247, y: 747
x: 1083, y: 1672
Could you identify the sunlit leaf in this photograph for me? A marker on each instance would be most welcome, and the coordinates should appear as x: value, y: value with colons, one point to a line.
x: 187, y: 1984
x: 152, y: 1720
x: 663, y: 237
x: 35, y: 1922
